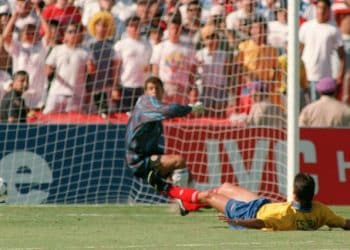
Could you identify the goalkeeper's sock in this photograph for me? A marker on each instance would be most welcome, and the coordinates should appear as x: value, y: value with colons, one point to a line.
x: 184, y: 194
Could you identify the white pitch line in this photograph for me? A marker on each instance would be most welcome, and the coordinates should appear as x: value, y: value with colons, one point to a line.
x: 131, y: 215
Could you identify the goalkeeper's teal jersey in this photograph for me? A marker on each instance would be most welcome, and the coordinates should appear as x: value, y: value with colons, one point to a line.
x: 285, y: 216
x: 144, y: 130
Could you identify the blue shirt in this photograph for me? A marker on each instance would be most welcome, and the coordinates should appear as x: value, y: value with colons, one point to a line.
x: 145, y: 130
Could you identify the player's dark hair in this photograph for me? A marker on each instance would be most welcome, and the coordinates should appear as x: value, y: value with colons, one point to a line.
x: 304, y: 189
x: 155, y: 80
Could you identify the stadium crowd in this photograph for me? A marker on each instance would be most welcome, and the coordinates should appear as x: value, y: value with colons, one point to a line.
x: 93, y: 56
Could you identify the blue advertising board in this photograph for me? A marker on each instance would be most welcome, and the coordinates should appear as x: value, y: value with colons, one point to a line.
x: 66, y: 164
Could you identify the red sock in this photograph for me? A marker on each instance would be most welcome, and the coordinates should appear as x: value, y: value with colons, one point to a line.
x: 183, y: 193
x: 192, y: 206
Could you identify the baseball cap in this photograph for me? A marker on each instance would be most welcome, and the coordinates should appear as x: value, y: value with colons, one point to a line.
x: 326, y: 85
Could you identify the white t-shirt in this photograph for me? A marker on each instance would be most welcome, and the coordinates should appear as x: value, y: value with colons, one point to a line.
x: 70, y: 70
x: 135, y: 56
x: 232, y: 19
x: 174, y: 61
x: 31, y: 58
x: 277, y: 35
x: 320, y: 40
x: 5, y: 81
x: 212, y: 67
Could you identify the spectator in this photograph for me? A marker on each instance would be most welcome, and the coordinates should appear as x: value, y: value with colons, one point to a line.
x: 12, y: 107
x: 267, y: 9
x: 263, y: 112
x: 133, y: 54
x: 174, y: 63
x: 213, y: 65
x: 5, y: 83
x: 246, y: 9
x: 278, y: 30
x: 319, y: 38
x: 142, y: 11
x: 25, y: 15
x: 28, y: 54
x: 70, y: 63
x: 101, y: 28
x: 5, y: 58
x: 257, y: 61
x: 341, y: 9
x: 190, y: 30
x: 156, y: 33
x: 217, y: 19
x: 327, y: 111
x: 282, y: 77
x: 63, y: 12
x: 123, y: 9
x: 103, y: 5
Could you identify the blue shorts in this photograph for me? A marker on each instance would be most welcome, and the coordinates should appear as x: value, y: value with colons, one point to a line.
x: 243, y: 210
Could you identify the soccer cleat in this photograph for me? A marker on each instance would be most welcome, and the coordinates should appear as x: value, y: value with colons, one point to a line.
x: 181, y: 209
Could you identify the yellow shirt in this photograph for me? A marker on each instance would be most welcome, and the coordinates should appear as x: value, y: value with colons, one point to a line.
x: 282, y: 67
x: 259, y: 61
x: 283, y: 216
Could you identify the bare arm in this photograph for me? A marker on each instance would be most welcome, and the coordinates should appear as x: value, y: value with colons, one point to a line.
x: 49, y: 70
x: 43, y: 22
x: 116, y: 65
x: 7, y: 34
x: 341, y: 72
x: 248, y: 223
x: 301, y: 48
x: 155, y: 69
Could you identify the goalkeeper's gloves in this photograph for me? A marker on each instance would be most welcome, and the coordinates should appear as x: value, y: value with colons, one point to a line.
x: 197, y: 108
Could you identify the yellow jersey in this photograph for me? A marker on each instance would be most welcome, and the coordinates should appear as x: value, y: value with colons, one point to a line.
x: 284, y: 216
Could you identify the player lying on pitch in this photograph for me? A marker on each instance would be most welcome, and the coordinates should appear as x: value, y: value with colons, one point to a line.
x: 144, y: 153
x: 245, y: 209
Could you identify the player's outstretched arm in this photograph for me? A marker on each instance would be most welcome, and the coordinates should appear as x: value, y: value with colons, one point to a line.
x: 248, y: 223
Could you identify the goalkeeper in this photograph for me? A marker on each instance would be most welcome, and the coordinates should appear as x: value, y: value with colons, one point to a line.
x: 144, y: 153
x: 245, y: 209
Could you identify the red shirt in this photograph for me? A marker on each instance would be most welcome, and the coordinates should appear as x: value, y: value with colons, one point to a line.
x: 63, y: 16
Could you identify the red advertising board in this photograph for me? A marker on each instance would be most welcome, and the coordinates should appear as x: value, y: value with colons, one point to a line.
x: 256, y: 157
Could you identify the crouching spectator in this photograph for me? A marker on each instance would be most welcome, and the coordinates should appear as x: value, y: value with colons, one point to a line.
x: 13, y: 107
x: 327, y: 111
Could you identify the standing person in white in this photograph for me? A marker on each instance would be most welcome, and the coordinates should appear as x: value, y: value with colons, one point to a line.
x: 318, y: 39
x: 70, y: 62
x: 28, y: 54
x: 133, y: 54
x: 174, y: 63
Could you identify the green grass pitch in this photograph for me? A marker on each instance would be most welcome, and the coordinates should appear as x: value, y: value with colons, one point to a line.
x: 145, y: 227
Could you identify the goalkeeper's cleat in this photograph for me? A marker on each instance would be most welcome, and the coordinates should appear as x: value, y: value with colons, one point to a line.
x: 180, y: 206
